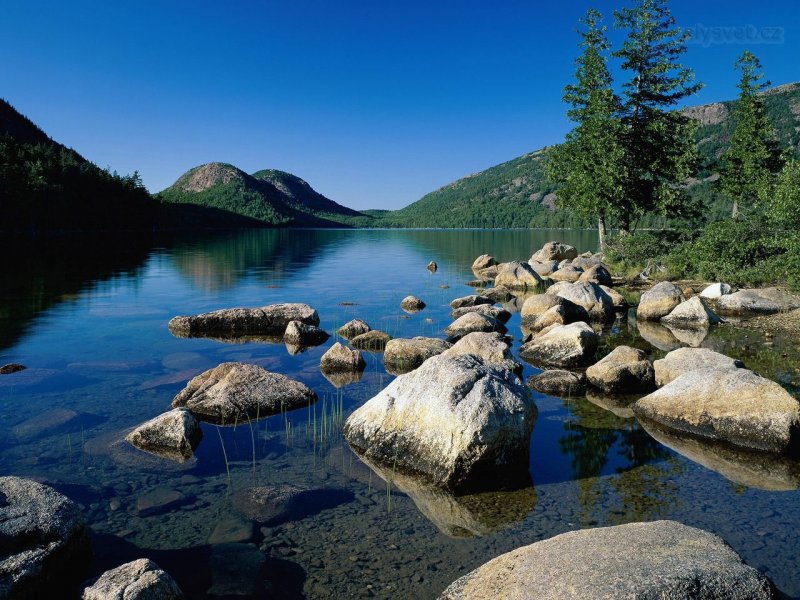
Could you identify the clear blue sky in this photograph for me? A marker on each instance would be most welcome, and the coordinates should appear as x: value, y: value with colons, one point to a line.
x: 373, y: 103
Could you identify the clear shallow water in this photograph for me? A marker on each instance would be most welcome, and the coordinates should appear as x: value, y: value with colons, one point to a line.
x: 89, y: 319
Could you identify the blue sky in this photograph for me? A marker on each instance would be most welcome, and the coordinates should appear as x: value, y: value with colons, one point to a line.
x: 373, y: 103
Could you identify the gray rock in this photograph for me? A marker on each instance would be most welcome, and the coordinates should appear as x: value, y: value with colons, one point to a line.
x: 404, y: 355
x: 567, y: 273
x: 491, y: 347
x: 341, y: 359
x: 500, y: 314
x: 659, y: 301
x: 559, y: 383
x: 555, y: 251
x: 624, y: 370
x: 268, y: 319
x: 353, y: 328
x: 137, y: 580
x: 412, y: 304
x: 685, y: 360
x: 617, y: 299
x: 232, y: 529
x: 304, y: 335
x: 517, y: 276
x: 10, y: 368
x: 597, y: 274
x: 234, y: 392
x: 591, y: 297
x: 496, y: 294
x: 484, y: 261
x: 562, y: 346
x: 471, y: 300
x: 733, y: 405
x: 453, y: 421
x: 43, y: 543
x: 269, y: 504
x: 48, y: 422
x: 764, y: 301
x: 715, y: 290
x: 557, y: 287
x: 545, y: 269
x: 372, y: 341
x: 692, y: 314
x: 471, y: 322
x: 536, y: 305
x: 174, y: 435
x: 662, y: 560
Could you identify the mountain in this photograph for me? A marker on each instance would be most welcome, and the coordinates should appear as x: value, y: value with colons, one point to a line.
x: 45, y: 186
x: 270, y: 197
x: 516, y: 193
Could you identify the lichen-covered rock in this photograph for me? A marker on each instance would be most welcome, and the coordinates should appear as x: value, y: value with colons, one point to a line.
x: 471, y: 300
x: 458, y: 421
x: 173, y: 435
x: 555, y: 251
x: 501, y: 314
x: 341, y: 359
x: 137, y: 580
x: 516, y: 275
x: 404, y: 355
x: 591, y: 297
x: 662, y: 560
x: 43, y: 540
x: 559, y: 383
x: 715, y: 290
x: 473, y: 322
x: 268, y: 319
x: 659, y: 301
x: 570, y: 345
x: 235, y: 391
x: 484, y: 261
x: 764, y: 301
x: 353, y: 328
x: 372, y: 341
x: 624, y: 370
x: 304, y: 335
x: 733, y: 405
x: 412, y: 304
x: 597, y: 274
x: 692, y: 314
x: 684, y: 360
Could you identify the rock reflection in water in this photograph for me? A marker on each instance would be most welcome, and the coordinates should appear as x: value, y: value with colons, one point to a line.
x: 459, y: 516
x: 340, y: 380
x: 618, y: 404
x: 232, y: 338
x: 759, y: 470
x: 658, y: 336
x: 690, y: 337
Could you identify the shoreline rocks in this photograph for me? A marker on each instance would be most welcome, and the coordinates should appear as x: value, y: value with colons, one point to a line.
x: 404, y: 355
x: 558, y: 383
x: 341, y: 359
x: 137, y: 580
x: 353, y: 328
x: 692, y: 314
x: 371, y: 341
x: 659, y: 301
x: 300, y: 334
x: 624, y: 370
x: 685, y: 360
x: 473, y: 322
x: 570, y: 345
x: 516, y: 275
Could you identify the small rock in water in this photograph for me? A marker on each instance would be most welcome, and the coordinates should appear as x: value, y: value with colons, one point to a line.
x: 374, y: 341
x: 353, y: 328
x: 173, y: 435
x: 11, y: 368
x: 432, y: 267
x: 412, y: 304
x: 341, y: 359
x: 304, y: 335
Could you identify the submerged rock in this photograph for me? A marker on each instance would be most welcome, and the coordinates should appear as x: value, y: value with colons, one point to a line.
x: 459, y: 422
x: 404, y: 355
x: 562, y: 346
x: 268, y: 319
x: 174, y: 435
x: 517, y: 276
x: 733, y: 405
x: 11, y: 368
x: 353, y: 328
x: 412, y: 304
x: 235, y: 391
x: 685, y: 360
x: 625, y: 370
x: 372, y: 341
x: 137, y: 580
x: 341, y: 359
x: 659, y: 301
x: 692, y: 314
x: 42, y: 538
x: 300, y: 334
x: 558, y: 383
x: 660, y: 559
x: 471, y: 322
x: 471, y: 300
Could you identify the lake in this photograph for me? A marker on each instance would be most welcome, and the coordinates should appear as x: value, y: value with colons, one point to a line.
x: 88, y: 317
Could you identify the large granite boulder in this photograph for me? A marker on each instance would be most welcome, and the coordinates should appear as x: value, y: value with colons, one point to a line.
x: 404, y: 355
x: 173, y: 435
x: 471, y: 300
x: 660, y: 560
x: 559, y: 383
x: 353, y: 328
x: 301, y: 334
x: 372, y: 341
x: 685, y: 360
x: 597, y: 274
x: 692, y: 314
x: 536, y: 305
x: 341, y: 359
x: 624, y: 370
x: 271, y: 319
x: 43, y: 543
x: 659, y: 301
x: 567, y: 273
x: 412, y: 304
x: 517, y: 275
x: 733, y: 405
x: 501, y: 314
x: 555, y: 251
x: 484, y: 261
x: 236, y: 391
x: 495, y: 294
x: 492, y: 347
x: 591, y: 297
x: 458, y: 421
x: 570, y: 345
x: 766, y: 301
x: 617, y: 300
x: 471, y: 322
x: 137, y: 580
x: 545, y: 269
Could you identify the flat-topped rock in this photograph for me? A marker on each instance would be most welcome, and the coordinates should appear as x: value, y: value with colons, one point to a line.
x: 567, y: 273
x: 173, y: 435
x: 404, y: 355
x: 692, y: 314
x: 137, y: 580
x: 659, y: 301
x: 472, y: 322
x: 733, y: 405
x: 662, y: 560
x: 372, y: 341
x: 235, y: 391
x: 471, y: 300
x: 765, y: 301
x: 341, y: 359
x: 684, y: 360
x: 353, y: 328
x: 624, y: 370
x: 516, y: 275
x: 267, y: 319
x: 562, y: 346
x: 300, y: 334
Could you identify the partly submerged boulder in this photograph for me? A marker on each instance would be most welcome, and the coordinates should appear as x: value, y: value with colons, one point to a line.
x: 733, y: 405
x: 559, y: 383
x: 372, y: 341
x: 597, y: 274
x: 268, y: 319
x: 137, y: 580
x: 562, y: 346
x: 301, y: 334
x: 341, y: 359
x: 404, y: 355
x: 662, y: 560
x: 458, y: 421
x: 659, y: 301
x: 412, y: 304
x: 236, y: 391
x: 484, y: 261
x: 684, y: 360
x: 624, y: 370
x: 516, y: 275
x: 174, y: 435
x: 692, y: 314
x: 353, y: 328
x: 590, y: 297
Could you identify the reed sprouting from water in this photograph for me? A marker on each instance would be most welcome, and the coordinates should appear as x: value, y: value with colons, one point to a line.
x: 224, y: 456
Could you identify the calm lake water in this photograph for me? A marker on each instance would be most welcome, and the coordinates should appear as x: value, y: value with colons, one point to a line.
x: 89, y: 319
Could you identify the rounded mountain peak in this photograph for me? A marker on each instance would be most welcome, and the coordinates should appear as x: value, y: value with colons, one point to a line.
x: 209, y: 175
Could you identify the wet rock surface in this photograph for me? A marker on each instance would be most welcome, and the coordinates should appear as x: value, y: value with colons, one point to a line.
x: 300, y: 334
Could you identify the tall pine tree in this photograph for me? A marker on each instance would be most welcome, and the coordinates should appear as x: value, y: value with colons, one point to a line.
x: 660, y: 149
x: 754, y: 153
x: 589, y: 165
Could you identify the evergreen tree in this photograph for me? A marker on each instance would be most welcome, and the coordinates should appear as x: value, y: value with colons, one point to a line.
x: 660, y: 149
x: 588, y: 166
x: 783, y: 197
x: 753, y: 154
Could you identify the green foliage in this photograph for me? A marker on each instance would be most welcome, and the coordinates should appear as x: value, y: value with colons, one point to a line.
x: 753, y: 153
x: 633, y: 252
x: 782, y: 198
